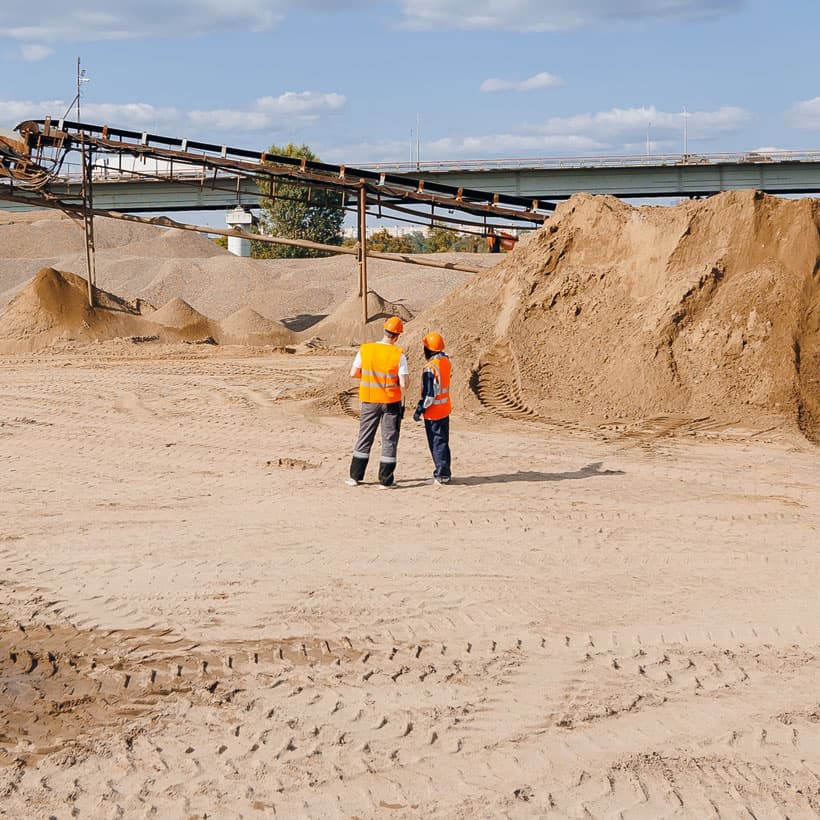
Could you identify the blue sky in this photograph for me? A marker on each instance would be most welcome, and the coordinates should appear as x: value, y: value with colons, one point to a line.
x: 485, y: 78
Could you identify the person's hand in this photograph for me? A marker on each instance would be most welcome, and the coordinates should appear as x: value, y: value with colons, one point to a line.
x: 417, y: 416
x: 401, y: 412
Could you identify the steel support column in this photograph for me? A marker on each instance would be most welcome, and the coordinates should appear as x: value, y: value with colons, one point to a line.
x: 363, y: 249
x: 88, y: 220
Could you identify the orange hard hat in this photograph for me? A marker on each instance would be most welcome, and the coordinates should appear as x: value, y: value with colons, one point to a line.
x: 394, y: 325
x: 434, y: 342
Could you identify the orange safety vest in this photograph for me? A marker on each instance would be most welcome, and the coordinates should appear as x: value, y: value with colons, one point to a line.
x: 440, y: 367
x: 380, y: 373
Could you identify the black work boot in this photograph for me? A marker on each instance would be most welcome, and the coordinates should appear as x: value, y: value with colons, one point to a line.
x: 357, y: 467
x: 386, y: 470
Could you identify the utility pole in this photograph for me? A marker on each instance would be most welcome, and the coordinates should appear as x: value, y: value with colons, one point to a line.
x: 418, y: 141
x: 685, y: 134
x: 81, y: 78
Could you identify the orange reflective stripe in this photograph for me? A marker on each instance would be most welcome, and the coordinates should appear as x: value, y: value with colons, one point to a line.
x: 380, y: 373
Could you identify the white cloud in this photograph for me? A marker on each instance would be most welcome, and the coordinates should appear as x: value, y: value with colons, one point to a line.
x: 806, y: 114
x: 623, y: 122
x: 13, y: 112
x: 264, y: 114
x: 269, y: 112
x: 490, y: 145
x: 555, y: 15
x: 129, y: 115
x: 464, y: 147
x: 618, y: 131
x: 57, y: 21
x: 90, y: 20
x: 301, y: 102
x: 139, y: 116
x: 360, y: 153
x: 534, y: 83
x: 33, y: 52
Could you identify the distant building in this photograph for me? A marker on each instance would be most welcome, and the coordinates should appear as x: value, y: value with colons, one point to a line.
x: 392, y: 230
x: 407, y: 230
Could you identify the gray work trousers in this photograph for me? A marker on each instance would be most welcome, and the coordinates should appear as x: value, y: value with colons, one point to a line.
x: 370, y: 417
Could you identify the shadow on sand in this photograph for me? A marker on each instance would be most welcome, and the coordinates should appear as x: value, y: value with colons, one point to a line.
x: 589, y: 471
x: 303, y: 321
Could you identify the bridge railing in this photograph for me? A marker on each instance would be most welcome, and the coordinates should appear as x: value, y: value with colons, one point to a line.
x: 613, y: 161
x: 153, y: 170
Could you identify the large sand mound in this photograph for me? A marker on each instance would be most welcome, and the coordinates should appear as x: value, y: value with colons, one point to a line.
x: 710, y: 309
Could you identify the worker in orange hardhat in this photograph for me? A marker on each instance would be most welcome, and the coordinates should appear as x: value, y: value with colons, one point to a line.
x: 381, y: 368
x: 434, y: 406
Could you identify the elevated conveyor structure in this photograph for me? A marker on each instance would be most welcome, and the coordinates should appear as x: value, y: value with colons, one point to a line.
x: 42, y: 157
x: 36, y: 170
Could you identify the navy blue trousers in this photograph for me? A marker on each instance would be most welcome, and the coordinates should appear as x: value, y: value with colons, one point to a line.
x: 438, y: 440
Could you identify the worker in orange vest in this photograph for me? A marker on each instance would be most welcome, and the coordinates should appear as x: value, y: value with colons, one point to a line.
x: 381, y: 368
x: 434, y: 406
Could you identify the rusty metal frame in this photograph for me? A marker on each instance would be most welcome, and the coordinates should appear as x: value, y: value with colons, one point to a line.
x: 47, y: 145
x: 88, y: 220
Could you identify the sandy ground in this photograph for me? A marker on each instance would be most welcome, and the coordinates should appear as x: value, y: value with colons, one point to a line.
x: 198, y: 618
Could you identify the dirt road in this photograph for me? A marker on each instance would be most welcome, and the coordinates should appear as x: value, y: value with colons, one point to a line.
x: 198, y: 618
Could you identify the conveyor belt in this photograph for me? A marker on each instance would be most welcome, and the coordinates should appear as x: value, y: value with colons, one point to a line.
x: 49, y: 142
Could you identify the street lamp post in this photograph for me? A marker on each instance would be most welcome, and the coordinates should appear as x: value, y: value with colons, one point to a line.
x: 81, y: 78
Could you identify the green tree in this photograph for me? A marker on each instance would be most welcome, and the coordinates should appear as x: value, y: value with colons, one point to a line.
x: 440, y: 239
x: 297, y: 212
x: 417, y: 242
x: 383, y: 242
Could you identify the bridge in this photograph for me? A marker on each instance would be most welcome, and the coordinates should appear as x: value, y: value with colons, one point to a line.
x: 135, y: 188
x: 628, y: 176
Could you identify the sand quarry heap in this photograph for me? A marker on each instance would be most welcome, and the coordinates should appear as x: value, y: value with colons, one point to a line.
x: 158, y: 264
x: 704, y: 313
x: 708, y: 311
x: 53, y: 308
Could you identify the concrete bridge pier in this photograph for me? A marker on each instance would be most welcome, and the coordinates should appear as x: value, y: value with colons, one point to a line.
x: 240, y: 219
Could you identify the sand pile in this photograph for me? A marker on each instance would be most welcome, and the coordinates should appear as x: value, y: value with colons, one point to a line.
x: 54, y: 307
x: 177, y: 315
x: 344, y: 326
x: 158, y: 264
x: 707, y: 309
x: 30, y: 234
x: 246, y: 326
x: 38, y: 239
